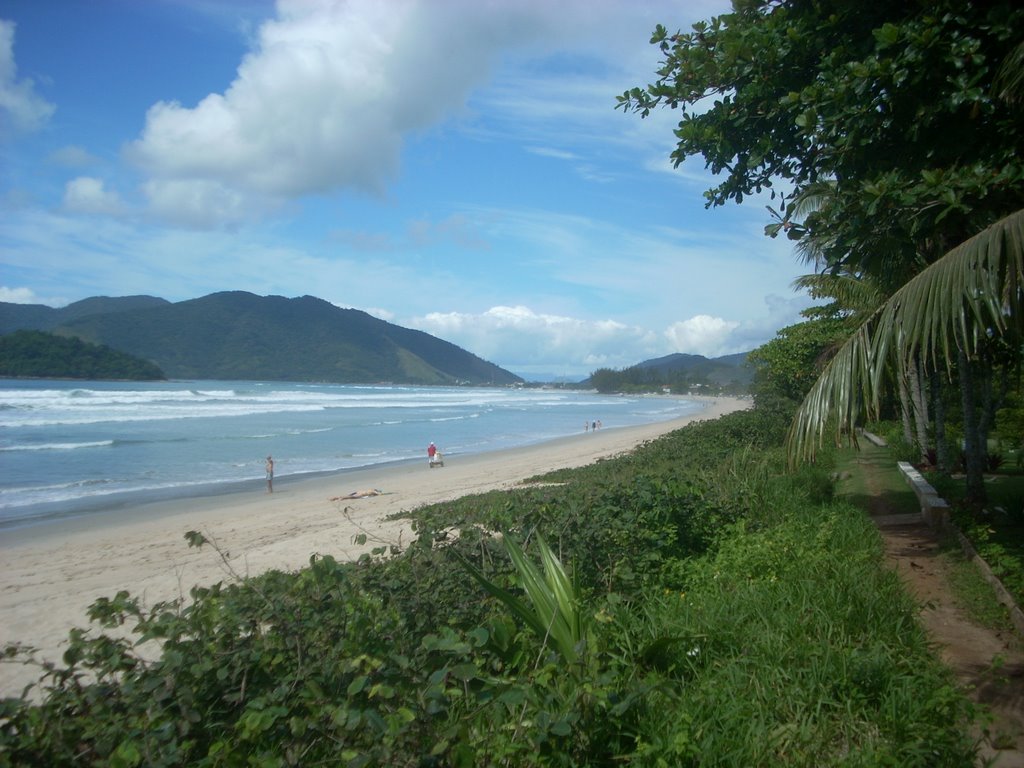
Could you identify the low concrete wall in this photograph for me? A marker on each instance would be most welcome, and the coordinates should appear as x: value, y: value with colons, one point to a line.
x: 874, y: 439
x: 935, y: 511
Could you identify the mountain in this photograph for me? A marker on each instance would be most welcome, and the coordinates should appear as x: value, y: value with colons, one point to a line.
x: 42, y: 355
x: 720, y: 370
x: 38, y: 317
x: 678, y: 371
x: 238, y: 335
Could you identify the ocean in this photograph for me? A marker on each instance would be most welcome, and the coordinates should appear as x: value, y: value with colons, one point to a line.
x: 71, y: 448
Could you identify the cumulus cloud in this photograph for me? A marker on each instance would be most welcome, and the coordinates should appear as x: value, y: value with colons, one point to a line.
x: 323, y: 102
x: 27, y: 296
x: 20, y: 106
x: 525, y: 339
x: 701, y: 335
x: 90, y: 195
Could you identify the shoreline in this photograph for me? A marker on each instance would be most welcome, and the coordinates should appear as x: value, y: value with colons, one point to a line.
x: 93, y: 491
x: 53, y: 572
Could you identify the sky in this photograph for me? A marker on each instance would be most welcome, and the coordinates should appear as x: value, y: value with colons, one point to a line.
x: 454, y: 166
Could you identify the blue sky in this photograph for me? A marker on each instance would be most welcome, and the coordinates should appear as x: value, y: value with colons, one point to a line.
x: 455, y: 166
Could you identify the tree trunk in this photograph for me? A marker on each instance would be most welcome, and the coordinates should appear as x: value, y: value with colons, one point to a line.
x: 905, y: 407
x: 974, y: 456
x: 942, y: 457
x: 915, y: 383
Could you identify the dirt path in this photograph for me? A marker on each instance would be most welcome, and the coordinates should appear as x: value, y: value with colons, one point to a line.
x: 989, y: 664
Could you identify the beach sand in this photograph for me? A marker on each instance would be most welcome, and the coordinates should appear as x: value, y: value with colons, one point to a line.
x: 52, y: 573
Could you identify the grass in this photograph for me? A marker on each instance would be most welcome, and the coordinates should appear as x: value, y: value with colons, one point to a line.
x: 871, y: 480
x: 973, y: 593
x: 997, y: 532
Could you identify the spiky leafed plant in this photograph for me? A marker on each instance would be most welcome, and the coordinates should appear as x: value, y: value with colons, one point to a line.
x: 554, y: 612
x: 973, y: 292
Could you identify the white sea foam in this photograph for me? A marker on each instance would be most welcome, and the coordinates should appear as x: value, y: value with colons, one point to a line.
x: 70, y: 445
x: 57, y: 446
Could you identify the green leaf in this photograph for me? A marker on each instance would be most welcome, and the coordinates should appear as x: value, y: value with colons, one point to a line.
x: 357, y: 685
x: 886, y: 35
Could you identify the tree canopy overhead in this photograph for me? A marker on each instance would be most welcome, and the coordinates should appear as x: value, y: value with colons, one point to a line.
x: 892, y: 102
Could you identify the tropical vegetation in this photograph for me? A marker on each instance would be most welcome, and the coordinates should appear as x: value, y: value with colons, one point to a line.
x: 692, y: 603
x: 889, y: 140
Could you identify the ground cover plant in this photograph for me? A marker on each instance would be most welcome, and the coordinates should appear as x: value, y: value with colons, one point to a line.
x: 997, y: 530
x: 688, y: 604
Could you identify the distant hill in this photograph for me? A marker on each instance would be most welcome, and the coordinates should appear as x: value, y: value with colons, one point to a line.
x: 679, y: 371
x: 238, y: 335
x: 720, y: 370
x: 38, y: 317
x: 42, y: 355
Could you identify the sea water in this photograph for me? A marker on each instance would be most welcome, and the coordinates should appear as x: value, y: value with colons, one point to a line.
x: 74, y: 447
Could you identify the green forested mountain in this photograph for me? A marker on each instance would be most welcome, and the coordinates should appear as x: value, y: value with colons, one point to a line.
x: 238, y: 335
x: 679, y: 371
x: 37, y: 354
x: 38, y: 317
x: 716, y: 369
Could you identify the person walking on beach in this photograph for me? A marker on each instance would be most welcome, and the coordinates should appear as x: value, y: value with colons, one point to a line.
x: 431, y: 453
x: 270, y: 474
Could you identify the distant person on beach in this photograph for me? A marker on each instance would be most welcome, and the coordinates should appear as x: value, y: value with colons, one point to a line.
x: 358, y: 494
x: 270, y: 474
x: 586, y: 426
x: 431, y: 453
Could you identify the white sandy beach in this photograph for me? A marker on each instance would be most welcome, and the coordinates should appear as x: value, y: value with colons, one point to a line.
x: 50, y: 575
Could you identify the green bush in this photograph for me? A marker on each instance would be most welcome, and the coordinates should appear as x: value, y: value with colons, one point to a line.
x: 729, y: 613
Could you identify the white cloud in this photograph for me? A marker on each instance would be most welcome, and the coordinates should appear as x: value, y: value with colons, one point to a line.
x: 700, y: 335
x: 520, y: 338
x: 333, y: 88
x: 201, y: 203
x: 20, y: 106
x: 558, y: 154
x: 90, y: 195
x: 322, y: 103
x: 27, y: 296
x: 380, y: 314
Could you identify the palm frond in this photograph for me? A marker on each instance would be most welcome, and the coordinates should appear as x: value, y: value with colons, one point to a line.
x: 1009, y: 82
x: 973, y: 291
x: 856, y: 294
x: 811, y: 198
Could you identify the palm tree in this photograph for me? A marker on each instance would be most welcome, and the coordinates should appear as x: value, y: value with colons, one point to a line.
x: 856, y: 294
x: 945, y: 314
